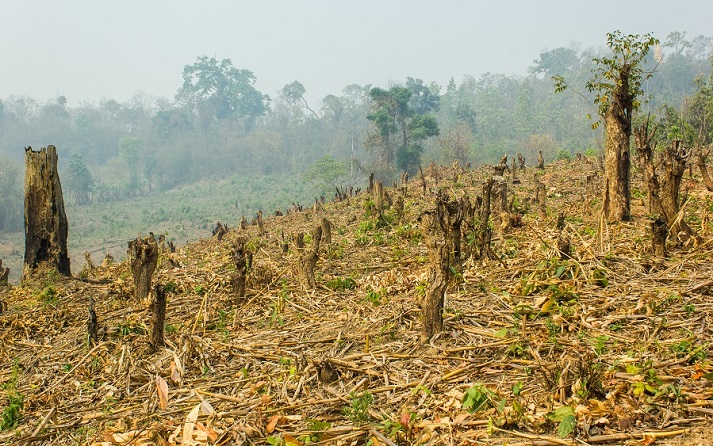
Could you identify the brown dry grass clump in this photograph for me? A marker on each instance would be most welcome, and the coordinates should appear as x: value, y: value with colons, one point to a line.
x: 605, y: 346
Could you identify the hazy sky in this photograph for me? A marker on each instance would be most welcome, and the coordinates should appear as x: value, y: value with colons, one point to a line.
x: 93, y: 49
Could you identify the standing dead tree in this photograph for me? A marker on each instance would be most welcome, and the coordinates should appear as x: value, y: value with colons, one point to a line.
x: 143, y: 258
x: 46, y: 226
x: 308, y: 258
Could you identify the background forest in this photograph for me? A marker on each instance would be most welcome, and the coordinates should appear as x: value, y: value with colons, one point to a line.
x: 224, y: 138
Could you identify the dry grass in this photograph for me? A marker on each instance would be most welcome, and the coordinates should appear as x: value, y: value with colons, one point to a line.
x: 619, y: 337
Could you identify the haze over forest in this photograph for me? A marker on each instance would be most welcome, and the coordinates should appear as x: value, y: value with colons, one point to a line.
x: 141, y: 99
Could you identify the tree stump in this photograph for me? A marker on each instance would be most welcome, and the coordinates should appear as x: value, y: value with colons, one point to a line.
x: 521, y: 161
x: 659, y: 233
x: 500, y: 196
x: 4, y: 274
x: 442, y: 231
x: 502, y: 166
x: 378, y: 197
x: 143, y: 258
x: 326, y: 231
x: 241, y: 262
x: 541, y: 197
x: 260, y: 223
x: 158, y: 317
x: 220, y: 230
x: 46, y: 226
x: 92, y: 326
x: 308, y: 258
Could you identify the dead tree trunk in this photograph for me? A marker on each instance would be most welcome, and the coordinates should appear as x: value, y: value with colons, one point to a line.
x: 240, y: 261
x: 158, y: 317
x: 378, y: 197
x: 308, y: 258
x: 143, y: 258
x: 220, y: 230
x: 521, y: 161
x: 541, y: 196
x: 540, y: 160
x: 46, y: 226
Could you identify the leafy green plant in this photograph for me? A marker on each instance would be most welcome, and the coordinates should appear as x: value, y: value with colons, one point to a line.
x: 358, y: 410
x: 49, y: 296
x: 341, y: 283
x: 374, y: 297
x: 478, y: 397
x: 12, y: 413
x: 564, y: 416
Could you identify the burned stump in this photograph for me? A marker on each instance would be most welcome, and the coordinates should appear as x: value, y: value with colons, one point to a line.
x: 46, y: 226
x: 659, y: 233
x: 4, y: 274
x: 143, y: 258
x: 241, y: 261
x: 158, y: 317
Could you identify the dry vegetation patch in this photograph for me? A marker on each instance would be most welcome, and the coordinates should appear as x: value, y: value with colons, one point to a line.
x: 602, y: 344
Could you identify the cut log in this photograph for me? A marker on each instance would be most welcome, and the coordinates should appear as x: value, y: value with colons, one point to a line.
x: 46, y: 226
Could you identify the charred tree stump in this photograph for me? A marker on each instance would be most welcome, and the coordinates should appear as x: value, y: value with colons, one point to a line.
x: 243, y: 223
x: 423, y: 179
x: 241, y: 261
x: 404, y: 184
x: 659, y: 234
x: 158, y: 317
x: 540, y: 160
x: 521, y: 161
x: 220, y: 230
x: 92, y: 325
x: 308, y: 258
x: 4, y: 274
x: 143, y: 258
x: 483, y: 232
x: 500, y: 196
x: 326, y: 231
x: 541, y: 197
x: 46, y: 226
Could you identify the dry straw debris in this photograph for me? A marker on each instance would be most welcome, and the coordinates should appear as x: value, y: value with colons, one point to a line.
x: 602, y: 344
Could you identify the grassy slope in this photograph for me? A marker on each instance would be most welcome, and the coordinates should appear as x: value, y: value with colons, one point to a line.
x: 184, y: 214
x: 619, y: 337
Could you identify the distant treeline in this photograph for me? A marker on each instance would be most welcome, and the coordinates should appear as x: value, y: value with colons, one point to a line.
x: 219, y: 125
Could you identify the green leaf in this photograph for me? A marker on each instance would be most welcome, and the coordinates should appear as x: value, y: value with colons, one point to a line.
x: 501, y: 333
x: 561, y: 413
x: 566, y: 426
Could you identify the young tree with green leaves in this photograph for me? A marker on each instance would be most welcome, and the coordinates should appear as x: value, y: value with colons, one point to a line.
x: 617, y: 84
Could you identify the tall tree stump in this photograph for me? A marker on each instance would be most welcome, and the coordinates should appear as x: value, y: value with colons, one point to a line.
x: 158, y: 317
x: 92, y: 325
x: 308, y: 258
x: 442, y: 230
x: 4, y: 274
x: 143, y: 258
x: 326, y: 231
x: 540, y: 160
x: 46, y: 226
x: 241, y: 260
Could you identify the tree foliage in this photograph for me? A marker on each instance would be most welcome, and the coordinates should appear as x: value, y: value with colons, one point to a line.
x: 217, y: 91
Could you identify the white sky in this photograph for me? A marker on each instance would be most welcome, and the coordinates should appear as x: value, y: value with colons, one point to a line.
x: 93, y: 49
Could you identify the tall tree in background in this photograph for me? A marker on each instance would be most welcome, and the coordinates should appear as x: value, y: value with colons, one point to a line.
x: 401, y: 130
x: 617, y: 83
x: 81, y: 181
x: 217, y: 91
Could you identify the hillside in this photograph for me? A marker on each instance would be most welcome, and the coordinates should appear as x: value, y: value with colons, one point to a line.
x: 608, y: 346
